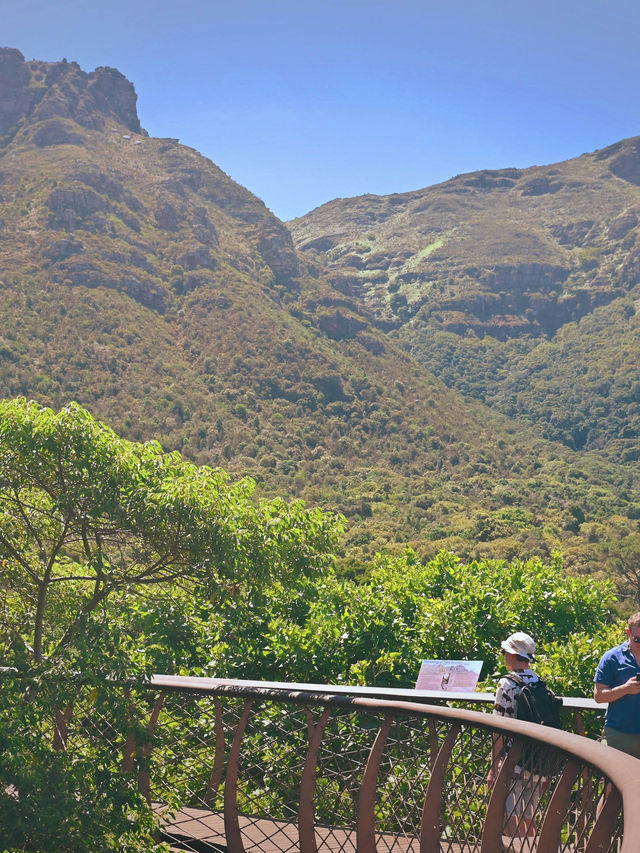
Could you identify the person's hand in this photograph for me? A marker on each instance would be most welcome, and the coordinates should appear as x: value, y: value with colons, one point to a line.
x: 632, y: 686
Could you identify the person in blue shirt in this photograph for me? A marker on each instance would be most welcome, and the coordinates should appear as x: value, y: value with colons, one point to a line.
x: 617, y: 682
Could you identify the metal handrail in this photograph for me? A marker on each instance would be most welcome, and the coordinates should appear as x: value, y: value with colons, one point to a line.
x: 401, y: 694
x: 577, y: 705
x: 307, y: 767
x: 621, y: 772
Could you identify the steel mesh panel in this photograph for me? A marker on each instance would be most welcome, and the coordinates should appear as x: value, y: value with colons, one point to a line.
x: 187, y: 770
x: 271, y: 766
x: 587, y: 799
x: 97, y: 725
x: 528, y: 796
x: 466, y: 793
x: 342, y: 758
x: 184, y: 751
x: 404, y: 773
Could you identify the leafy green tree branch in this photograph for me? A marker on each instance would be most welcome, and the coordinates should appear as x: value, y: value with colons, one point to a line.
x: 85, y: 514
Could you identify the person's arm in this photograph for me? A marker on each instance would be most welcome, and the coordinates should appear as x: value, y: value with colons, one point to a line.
x: 497, y: 752
x: 604, y: 693
x: 497, y: 749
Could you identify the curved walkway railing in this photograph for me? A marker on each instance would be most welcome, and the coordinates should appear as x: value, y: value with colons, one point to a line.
x: 244, y: 766
x: 579, y: 713
x: 276, y: 768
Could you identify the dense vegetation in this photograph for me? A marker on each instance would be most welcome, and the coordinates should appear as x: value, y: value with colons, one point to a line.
x: 580, y: 387
x: 87, y: 516
x: 143, y: 283
x: 121, y: 560
x: 516, y: 287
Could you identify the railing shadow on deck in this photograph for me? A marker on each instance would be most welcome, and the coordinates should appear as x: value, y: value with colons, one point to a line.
x: 251, y: 766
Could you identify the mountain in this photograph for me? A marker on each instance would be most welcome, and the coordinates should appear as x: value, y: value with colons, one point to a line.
x: 518, y: 287
x: 140, y: 280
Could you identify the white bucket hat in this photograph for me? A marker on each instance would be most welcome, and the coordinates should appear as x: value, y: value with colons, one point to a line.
x: 520, y: 644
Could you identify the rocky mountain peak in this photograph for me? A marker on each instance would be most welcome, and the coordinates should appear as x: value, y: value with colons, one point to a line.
x: 623, y: 159
x: 33, y: 92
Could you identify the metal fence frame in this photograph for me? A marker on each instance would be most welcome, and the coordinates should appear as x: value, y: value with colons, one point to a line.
x: 265, y: 766
x: 620, y: 791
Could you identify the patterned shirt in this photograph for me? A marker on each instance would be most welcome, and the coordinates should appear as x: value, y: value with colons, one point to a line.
x: 508, y: 690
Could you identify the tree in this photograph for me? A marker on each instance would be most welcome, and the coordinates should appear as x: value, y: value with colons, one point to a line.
x: 67, y: 800
x: 377, y: 631
x: 114, y: 557
x: 623, y: 557
x: 86, y: 515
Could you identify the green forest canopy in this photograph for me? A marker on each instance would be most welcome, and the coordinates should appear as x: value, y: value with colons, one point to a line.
x: 86, y: 516
x: 102, y: 537
x: 120, y: 560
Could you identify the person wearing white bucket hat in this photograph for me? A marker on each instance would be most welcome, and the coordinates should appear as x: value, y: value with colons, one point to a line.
x: 519, y: 650
x: 521, y: 645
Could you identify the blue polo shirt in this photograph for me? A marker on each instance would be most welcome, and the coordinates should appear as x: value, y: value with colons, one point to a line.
x: 616, y: 667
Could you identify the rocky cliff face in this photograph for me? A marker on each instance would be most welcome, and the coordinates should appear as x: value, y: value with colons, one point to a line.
x: 43, y: 92
x: 104, y: 205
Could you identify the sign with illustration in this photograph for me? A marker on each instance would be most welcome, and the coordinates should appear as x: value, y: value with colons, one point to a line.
x: 460, y: 676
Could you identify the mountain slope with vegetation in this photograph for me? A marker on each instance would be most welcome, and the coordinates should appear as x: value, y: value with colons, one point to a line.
x: 139, y: 280
x: 517, y: 287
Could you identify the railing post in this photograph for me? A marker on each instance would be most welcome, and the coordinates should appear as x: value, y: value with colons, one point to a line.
x: 231, y: 818
x: 366, y: 826
x: 433, y: 743
x: 144, y: 776
x: 61, y: 727
x: 430, y: 822
x: 130, y: 744
x: 218, y: 761
x: 494, y: 818
x: 306, y: 818
x: 550, y: 831
x: 604, y: 829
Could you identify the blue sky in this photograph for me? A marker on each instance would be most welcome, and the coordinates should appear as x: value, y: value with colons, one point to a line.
x: 306, y: 101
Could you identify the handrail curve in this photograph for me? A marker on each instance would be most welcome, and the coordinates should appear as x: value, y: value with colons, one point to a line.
x: 622, y: 771
x: 257, y: 766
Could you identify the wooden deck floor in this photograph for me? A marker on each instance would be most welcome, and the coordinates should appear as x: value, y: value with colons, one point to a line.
x: 202, y: 831
x: 206, y: 829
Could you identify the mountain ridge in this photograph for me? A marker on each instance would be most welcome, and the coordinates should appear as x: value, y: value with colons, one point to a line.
x: 480, y: 276
x: 141, y: 281
x: 513, y: 248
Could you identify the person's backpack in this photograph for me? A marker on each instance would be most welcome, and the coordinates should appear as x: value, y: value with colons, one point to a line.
x: 537, y: 703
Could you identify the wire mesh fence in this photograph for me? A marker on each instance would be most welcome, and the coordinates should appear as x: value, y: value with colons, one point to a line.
x: 268, y: 770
